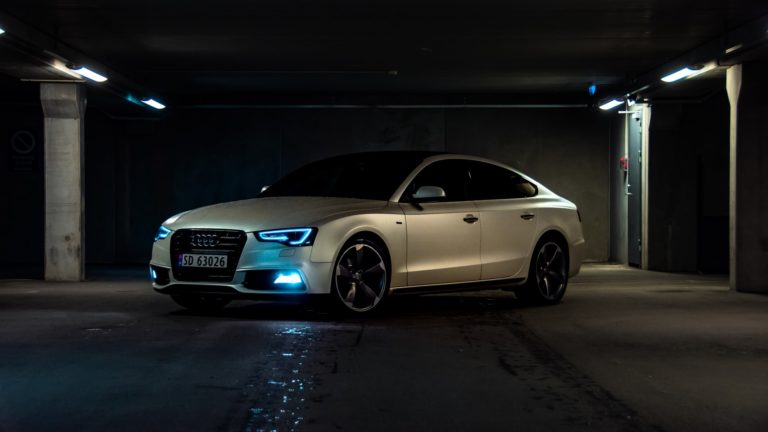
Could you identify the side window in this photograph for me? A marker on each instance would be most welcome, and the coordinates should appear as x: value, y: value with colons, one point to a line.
x: 494, y: 182
x: 451, y: 175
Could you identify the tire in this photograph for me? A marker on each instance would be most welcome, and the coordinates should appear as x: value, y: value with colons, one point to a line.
x: 201, y: 302
x: 547, y: 275
x: 360, y: 277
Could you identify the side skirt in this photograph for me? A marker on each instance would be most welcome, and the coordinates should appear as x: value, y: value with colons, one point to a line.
x: 459, y: 287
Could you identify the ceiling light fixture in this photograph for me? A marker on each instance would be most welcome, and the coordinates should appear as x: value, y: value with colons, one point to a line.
x: 734, y: 48
x: 153, y: 103
x: 611, y: 104
x: 682, y: 73
x: 61, y: 67
x: 91, y: 75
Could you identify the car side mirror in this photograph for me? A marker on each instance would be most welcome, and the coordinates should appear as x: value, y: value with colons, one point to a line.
x: 429, y: 193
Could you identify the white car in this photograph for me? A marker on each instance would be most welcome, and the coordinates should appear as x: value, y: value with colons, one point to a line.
x: 364, y: 226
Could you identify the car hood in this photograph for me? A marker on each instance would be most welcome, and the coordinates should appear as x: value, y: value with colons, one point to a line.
x: 270, y: 213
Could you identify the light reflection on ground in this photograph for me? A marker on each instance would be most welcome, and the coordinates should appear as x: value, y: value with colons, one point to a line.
x: 282, y: 397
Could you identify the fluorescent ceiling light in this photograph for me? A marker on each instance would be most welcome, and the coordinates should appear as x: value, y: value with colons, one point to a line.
x: 153, y: 103
x: 734, y: 48
x: 612, y: 104
x: 682, y: 73
x: 91, y: 75
x: 61, y: 67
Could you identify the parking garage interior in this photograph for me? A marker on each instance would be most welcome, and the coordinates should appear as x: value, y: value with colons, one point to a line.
x: 664, y: 329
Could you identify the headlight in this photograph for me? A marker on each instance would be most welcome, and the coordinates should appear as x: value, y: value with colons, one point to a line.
x: 162, y: 233
x: 289, y: 236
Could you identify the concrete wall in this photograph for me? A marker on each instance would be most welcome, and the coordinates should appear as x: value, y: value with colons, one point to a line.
x: 197, y: 157
x: 21, y: 190
x: 140, y: 172
x: 688, y: 186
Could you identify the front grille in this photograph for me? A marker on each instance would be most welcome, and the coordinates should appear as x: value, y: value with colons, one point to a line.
x: 209, y: 242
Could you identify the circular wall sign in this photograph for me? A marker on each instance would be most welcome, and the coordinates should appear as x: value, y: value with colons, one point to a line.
x: 23, y: 142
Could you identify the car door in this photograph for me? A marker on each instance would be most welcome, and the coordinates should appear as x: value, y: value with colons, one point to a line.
x: 504, y: 205
x: 443, y: 243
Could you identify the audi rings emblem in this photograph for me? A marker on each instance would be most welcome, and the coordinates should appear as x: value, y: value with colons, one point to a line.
x: 204, y: 240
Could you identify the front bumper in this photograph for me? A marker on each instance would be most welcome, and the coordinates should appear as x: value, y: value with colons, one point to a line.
x: 257, y: 265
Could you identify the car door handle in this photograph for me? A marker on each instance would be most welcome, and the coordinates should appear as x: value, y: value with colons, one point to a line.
x: 527, y: 216
x: 470, y: 219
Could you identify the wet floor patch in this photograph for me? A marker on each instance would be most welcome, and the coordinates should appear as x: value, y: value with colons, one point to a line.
x: 275, y: 397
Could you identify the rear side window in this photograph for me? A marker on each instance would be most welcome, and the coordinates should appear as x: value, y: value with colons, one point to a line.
x: 489, y: 182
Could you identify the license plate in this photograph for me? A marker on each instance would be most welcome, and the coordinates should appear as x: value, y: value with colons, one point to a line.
x: 199, y: 260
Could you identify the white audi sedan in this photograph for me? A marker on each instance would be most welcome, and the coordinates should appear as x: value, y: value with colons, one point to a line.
x: 364, y: 226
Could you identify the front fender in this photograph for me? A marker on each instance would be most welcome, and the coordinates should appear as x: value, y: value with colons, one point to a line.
x: 388, y: 225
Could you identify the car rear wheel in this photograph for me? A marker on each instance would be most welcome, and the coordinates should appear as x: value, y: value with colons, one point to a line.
x: 548, y: 274
x: 201, y: 302
x: 360, y: 279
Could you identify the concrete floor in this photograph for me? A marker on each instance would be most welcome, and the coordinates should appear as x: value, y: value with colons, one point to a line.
x: 626, y: 351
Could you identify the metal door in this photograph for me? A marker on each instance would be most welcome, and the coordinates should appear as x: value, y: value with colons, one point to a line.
x: 634, y: 188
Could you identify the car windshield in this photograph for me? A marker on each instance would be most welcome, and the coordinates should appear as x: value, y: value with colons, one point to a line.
x: 373, y: 176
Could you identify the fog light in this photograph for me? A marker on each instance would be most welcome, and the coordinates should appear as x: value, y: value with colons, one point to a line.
x: 287, y: 278
x: 153, y: 273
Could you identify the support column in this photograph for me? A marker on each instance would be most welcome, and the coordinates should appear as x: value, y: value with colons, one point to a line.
x: 748, y: 95
x: 64, y: 111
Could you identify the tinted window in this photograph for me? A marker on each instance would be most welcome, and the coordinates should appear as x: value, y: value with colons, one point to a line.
x: 494, y: 182
x: 451, y: 175
x: 373, y: 176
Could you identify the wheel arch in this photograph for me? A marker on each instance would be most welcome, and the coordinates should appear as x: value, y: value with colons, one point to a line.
x: 555, y: 235
x: 372, y: 236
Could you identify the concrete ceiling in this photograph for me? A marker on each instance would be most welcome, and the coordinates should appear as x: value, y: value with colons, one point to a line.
x: 201, y: 51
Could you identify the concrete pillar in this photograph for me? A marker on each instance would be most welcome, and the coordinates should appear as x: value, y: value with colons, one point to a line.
x: 748, y: 95
x: 64, y: 111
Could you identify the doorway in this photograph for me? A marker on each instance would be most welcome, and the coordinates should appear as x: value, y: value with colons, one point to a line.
x: 634, y: 125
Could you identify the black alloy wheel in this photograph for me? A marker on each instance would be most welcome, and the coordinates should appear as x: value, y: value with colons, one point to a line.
x: 547, y: 276
x: 360, y: 278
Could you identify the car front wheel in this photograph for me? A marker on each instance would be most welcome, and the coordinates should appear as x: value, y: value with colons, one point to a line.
x: 360, y: 279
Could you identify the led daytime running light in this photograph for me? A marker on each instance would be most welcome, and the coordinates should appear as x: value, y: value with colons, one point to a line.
x: 162, y: 233
x: 290, y: 237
